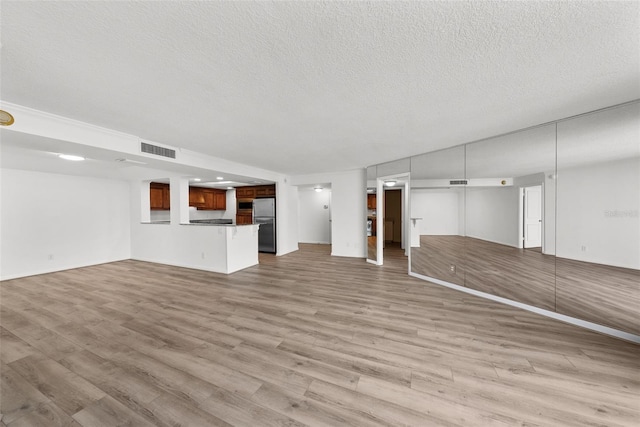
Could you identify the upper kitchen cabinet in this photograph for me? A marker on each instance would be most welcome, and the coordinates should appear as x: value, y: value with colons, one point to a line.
x: 196, y: 197
x: 210, y: 199
x: 215, y: 199
x: 159, y: 194
x: 371, y: 201
x: 246, y: 192
x: 256, y: 191
x: 266, y: 191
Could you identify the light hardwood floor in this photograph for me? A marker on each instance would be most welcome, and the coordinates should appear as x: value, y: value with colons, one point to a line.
x: 597, y: 293
x: 303, y: 339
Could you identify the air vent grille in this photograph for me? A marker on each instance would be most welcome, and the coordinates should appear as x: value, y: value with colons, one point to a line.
x: 458, y: 182
x: 158, y: 151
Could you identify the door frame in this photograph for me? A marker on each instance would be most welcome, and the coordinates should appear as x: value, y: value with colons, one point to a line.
x: 521, y: 216
x: 404, y: 206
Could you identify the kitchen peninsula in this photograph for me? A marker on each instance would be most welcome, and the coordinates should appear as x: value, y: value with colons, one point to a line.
x: 221, y: 248
x: 209, y: 244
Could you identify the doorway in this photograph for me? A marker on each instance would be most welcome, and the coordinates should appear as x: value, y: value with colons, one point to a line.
x: 314, y: 214
x: 531, y: 224
x: 393, y: 217
x: 392, y: 207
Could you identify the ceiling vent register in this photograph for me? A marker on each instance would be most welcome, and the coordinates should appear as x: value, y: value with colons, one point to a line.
x: 158, y: 151
x: 458, y: 182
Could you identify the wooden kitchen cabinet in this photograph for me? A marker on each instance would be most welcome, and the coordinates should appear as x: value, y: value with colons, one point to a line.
x: 245, y: 192
x: 265, y: 191
x: 220, y: 200
x: 247, y: 195
x: 160, y: 196
x: 371, y: 201
x: 243, y: 218
x: 196, y: 197
x: 208, y: 199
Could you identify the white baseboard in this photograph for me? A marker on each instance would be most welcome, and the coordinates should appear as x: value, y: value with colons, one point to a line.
x: 57, y: 269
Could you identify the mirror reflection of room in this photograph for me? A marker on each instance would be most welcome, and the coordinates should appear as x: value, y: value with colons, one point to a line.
x: 546, y: 216
x: 437, y: 215
x: 598, y: 225
x: 508, y: 207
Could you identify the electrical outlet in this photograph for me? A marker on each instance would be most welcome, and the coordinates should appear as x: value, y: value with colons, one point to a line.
x: 50, y: 257
x: 584, y: 249
x: 452, y: 268
x: 202, y: 255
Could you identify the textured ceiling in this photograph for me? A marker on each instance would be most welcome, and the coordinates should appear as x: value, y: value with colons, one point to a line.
x: 302, y: 87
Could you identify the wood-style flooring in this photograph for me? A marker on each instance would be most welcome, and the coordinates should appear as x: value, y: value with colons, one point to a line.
x: 303, y: 339
x: 597, y: 293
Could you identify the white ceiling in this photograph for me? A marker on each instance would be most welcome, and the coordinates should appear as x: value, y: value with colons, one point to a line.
x: 305, y: 87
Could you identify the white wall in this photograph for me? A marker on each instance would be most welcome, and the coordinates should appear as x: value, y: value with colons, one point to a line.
x: 348, y: 210
x: 597, y: 215
x: 286, y: 217
x: 51, y: 222
x: 348, y: 217
x: 492, y: 214
x: 314, y: 215
x: 439, y: 210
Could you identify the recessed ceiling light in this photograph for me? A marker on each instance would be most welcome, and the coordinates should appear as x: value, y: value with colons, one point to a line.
x: 318, y: 189
x: 197, y: 179
x: 219, y: 178
x: 390, y: 183
x: 125, y: 160
x: 71, y: 157
x: 6, y: 119
x: 229, y: 188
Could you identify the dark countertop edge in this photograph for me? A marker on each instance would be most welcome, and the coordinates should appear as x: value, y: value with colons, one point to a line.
x: 201, y: 224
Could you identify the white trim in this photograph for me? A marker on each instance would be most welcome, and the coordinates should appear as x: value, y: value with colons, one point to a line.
x: 568, y: 319
x: 67, y: 121
x: 59, y: 269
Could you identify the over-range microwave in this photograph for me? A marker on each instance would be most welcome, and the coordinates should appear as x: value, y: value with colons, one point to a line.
x: 245, y: 205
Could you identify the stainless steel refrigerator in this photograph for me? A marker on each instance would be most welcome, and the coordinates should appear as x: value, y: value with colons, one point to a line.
x: 264, y: 213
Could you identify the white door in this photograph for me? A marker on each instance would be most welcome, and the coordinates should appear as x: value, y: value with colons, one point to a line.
x: 532, y: 226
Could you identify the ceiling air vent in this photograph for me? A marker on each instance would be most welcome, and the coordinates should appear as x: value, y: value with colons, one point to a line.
x: 158, y: 151
x: 458, y: 182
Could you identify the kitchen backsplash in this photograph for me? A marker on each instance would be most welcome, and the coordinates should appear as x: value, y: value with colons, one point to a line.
x: 160, y: 216
x: 196, y: 214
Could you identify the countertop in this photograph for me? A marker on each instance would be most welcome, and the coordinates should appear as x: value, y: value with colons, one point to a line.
x: 199, y: 224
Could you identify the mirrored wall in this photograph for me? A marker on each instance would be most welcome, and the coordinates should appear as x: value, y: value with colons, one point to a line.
x: 547, y: 217
x: 508, y: 192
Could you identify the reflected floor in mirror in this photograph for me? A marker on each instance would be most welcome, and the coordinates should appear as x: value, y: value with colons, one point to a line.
x: 436, y: 255
x: 522, y: 275
x: 300, y: 339
x: 372, y: 248
x: 599, y: 293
